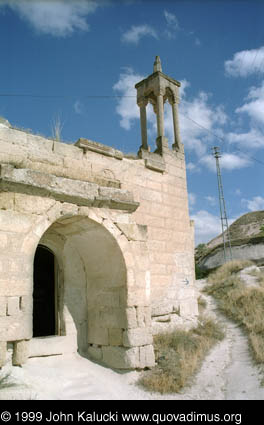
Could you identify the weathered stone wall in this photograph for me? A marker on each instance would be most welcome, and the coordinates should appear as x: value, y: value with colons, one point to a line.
x: 121, y: 234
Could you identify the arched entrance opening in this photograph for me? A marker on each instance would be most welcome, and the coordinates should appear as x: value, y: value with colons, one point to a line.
x: 80, y: 287
x: 44, y: 293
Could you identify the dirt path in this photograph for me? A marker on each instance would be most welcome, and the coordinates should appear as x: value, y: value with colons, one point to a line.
x: 227, y: 373
x: 240, y: 379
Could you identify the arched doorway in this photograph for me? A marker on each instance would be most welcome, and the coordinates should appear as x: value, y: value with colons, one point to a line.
x: 44, y: 293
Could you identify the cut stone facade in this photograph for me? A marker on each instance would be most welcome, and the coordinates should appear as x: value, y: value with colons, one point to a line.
x: 120, y: 234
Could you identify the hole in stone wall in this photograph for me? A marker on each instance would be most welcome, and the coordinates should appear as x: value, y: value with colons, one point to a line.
x: 44, y: 320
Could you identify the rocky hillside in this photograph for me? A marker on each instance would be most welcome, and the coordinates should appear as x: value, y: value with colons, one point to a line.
x: 247, y: 240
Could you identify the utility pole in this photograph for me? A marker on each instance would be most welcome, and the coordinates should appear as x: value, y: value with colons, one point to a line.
x: 223, y: 216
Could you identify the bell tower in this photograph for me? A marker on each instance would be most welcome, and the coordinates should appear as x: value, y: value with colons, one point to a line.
x: 156, y: 89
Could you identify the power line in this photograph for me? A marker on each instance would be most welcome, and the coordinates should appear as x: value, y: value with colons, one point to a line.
x: 41, y: 96
x: 220, y: 138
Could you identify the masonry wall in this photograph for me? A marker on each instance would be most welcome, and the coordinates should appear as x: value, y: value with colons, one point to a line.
x: 141, y: 202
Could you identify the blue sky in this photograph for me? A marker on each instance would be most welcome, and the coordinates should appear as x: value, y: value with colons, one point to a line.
x: 79, y: 60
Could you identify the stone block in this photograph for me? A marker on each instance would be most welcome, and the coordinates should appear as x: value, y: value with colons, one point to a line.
x: 95, y: 352
x: 146, y: 356
x: 137, y: 337
x: 14, y: 222
x: 131, y: 318
x: 11, y: 287
x: 108, y: 299
x: 120, y: 357
x: 13, y: 307
x: 48, y: 185
x: 26, y: 304
x: 188, y: 308
x: 97, y: 335
x: 134, y: 232
x: 137, y: 297
x: 20, y: 352
x: 3, y: 306
x: 13, y: 136
x: 6, y: 200
x: 89, y: 145
x: 155, y: 165
x: 3, y: 347
x: 14, y: 328
x: 116, y: 194
x: 115, y: 336
x: 152, y: 195
x: 46, y: 158
x: 32, y: 204
x: 69, y: 150
x: 36, y: 143
x: 129, y: 259
x: 161, y: 309
x: 113, y: 318
x: 144, y: 316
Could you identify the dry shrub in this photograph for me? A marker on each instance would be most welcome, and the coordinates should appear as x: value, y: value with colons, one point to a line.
x: 228, y: 269
x: 257, y: 346
x: 179, y: 355
x: 261, y: 279
x: 201, y: 303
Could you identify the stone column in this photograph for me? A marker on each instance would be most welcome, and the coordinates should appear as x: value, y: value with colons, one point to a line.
x: 20, y: 352
x: 2, y: 353
x: 143, y: 123
x: 160, y: 115
x: 176, y: 144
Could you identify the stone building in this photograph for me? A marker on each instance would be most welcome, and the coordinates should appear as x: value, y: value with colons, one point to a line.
x: 95, y: 246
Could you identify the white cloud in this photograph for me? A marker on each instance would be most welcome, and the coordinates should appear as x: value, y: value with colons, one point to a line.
x: 192, y: 199
x: 172, y: 24
x: 193, y: 168
x: 78, y: 107
x: 206, y: 226
x: 136, y: 32
x: 254, y: 204
x: 211, y: 200
x: 58, y: 18
x: 228, y: 161
x: 196, y: 118
x: 245, y: 63
x: 252, y: 139
x: 238, y: 192
x: 127, y: 107
x: 255, y: 105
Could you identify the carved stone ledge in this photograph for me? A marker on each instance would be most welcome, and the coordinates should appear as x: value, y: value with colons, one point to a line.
x: 89, y: 145
x: 62, y: 189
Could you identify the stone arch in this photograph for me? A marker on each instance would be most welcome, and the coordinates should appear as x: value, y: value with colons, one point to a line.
x: 104, y: 285
x: 92, y: 280
x: 170, y: 95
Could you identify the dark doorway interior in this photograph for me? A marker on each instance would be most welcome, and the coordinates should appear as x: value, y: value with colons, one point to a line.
x: 44, y: 293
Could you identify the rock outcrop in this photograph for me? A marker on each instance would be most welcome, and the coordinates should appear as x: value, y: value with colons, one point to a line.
x: 247, y: 241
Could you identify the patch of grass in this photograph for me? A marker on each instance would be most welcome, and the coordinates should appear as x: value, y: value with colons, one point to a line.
x: 5, y: 382
x: 179, y: 355
x: 260, y: 278
x: 201, y: 303
x: 245, y: 305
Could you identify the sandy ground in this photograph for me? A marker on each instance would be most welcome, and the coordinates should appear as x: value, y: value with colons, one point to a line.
x: 226, y: 374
